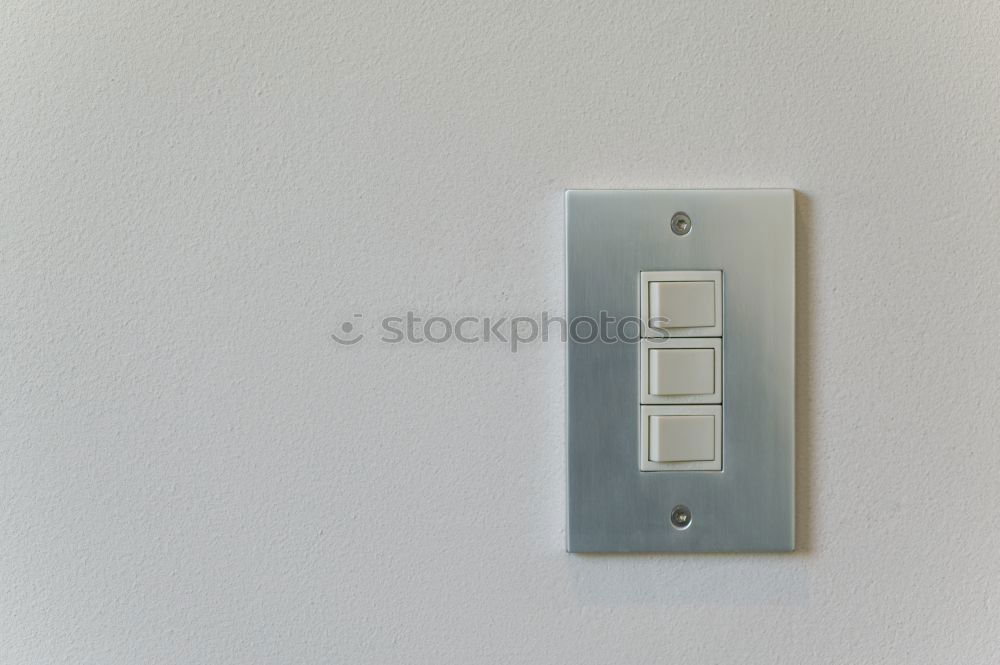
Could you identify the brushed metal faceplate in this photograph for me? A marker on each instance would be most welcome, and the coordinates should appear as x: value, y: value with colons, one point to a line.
x: 612, y: 506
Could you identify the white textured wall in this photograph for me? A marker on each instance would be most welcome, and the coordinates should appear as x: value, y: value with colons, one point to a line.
x: 194, y: 195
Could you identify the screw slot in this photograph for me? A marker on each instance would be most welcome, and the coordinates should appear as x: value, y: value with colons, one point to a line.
x: 680, y: 517
x: 680, y: 223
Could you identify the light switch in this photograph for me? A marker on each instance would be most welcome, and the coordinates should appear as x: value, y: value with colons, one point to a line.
x: 680, y: 431
x: 681, y: 438
x: 680, y: 371
x: 681, y: 303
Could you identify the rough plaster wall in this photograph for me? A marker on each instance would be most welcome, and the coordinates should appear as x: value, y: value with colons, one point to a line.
x: 195, y: 195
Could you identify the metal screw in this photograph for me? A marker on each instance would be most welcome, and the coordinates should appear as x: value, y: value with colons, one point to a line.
x: 680, y: 517
x: 680, y: 223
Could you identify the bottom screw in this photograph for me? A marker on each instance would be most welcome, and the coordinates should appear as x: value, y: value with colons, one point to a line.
x: 680, y: 517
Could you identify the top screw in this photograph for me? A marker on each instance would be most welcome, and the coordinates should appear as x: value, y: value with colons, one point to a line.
x: 680, y: 223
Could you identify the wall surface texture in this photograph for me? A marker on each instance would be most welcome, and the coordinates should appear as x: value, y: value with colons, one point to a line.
x: 195, y: 195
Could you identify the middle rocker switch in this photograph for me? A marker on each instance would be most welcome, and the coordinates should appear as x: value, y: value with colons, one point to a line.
x: 680, y: 371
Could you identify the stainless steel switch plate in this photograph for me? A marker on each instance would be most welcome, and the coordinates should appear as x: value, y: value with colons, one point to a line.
x: 748, y: 505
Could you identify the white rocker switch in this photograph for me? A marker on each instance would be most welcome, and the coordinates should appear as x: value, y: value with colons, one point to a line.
x: 681, y: 372
x: 681, y: 303
x: 681, y: 438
